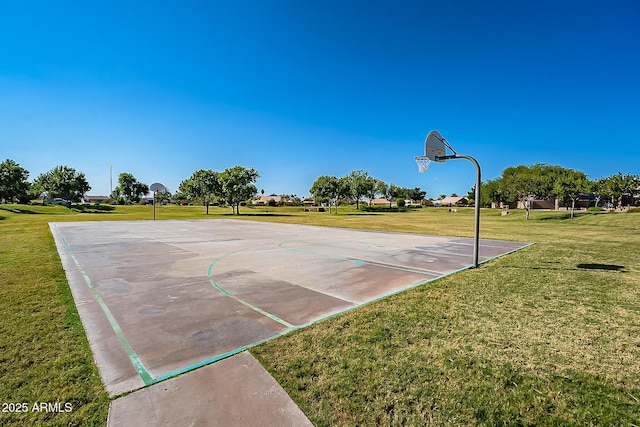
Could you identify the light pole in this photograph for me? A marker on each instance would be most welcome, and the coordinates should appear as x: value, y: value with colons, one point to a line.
x: 441, y: 184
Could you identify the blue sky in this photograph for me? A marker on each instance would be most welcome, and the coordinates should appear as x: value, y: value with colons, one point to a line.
x: 298, y: 89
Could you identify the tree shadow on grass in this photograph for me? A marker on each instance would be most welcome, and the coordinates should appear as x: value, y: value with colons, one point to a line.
x: 566, y: 215
x: 606, y: 267
x: 579, y: 267
x: 256, y: 214
x: 20, y: 210
x: 362, y: 213
x: 93, y: 208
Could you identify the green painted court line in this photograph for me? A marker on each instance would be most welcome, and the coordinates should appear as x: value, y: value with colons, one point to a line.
x: 249, y: 346
x: 240, y: 300
x: 124, y: 342
x: 218, y: 357
x: 359, y: 261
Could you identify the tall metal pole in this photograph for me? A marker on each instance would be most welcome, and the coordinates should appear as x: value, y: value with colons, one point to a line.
x: 476, y: 238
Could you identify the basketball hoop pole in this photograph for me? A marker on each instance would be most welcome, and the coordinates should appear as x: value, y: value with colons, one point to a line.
x: 155, y: 187
x: 476, y: 238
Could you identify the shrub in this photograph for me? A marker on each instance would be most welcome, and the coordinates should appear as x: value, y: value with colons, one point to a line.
x: 595, y: 209
x: 400, y: 202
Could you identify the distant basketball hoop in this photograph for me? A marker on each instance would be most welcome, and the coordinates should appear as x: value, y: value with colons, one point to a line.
x: 156, y: 187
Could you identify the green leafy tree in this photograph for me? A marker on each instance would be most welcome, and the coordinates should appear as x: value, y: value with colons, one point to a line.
x: 396, y: 192
x: 13, y: 182
x: 238, y: 184
x: 343, y: 190
x: 569, y: 184
x: 416, y: 194
x: 325, y: 190
x: 491, y: 191
x: 289, y: 199
x: 129, y: 189
x: 203, y: 186
x: 616, y: 187
x: 360, y: 184
x: 373, y: 190
x: 63, y: 182
x: 387, y: 191
x: 527, y: 183
x: 597, y: 188
x: 162, y: 196
x: 329, y: 189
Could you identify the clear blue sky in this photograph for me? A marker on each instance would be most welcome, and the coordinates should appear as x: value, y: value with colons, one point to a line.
x: 298, y: 89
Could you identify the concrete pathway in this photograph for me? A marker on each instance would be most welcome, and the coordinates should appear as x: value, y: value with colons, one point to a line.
x: 236, y: 391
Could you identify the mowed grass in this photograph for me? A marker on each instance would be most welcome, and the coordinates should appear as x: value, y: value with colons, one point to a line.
x: 549, y: 335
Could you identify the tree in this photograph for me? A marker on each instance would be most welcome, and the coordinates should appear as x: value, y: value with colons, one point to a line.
x: 203, y: 186
x: 289, y: 199
x: 416, y: 194
x: 343, y: 190
x: 129, y: 189
x: 597, y: 187
x: 162, y: 196
x: 396, y: 192
x: 617, y: 186
x: 13, y: 182
x: 491, y: 191
x: 329, y: 189
x: 385, y: 191
x: 63, y: 182
x: 372, y: 190
x: 325, y: 189
x: 526, y: 183
x: 569, y: 184
x: 360, y: 184
x: 237, y: 185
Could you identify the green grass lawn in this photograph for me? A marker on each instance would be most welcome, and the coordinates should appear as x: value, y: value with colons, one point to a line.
x: 549, y: 335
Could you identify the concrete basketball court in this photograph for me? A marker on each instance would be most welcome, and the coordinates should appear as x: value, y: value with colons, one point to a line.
x: 162, y: 298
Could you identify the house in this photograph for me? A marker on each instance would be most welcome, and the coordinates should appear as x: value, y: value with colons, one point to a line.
x: 264, y: 200
x: 272, y: 200
x: 451, y: 201
x: 548, y: 204
x: 423, y: 202
x: 379, y: 202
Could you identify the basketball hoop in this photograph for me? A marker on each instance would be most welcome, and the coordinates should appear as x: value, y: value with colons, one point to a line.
x: 423, y: 163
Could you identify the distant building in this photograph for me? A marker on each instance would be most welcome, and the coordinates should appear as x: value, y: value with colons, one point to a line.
x: 379, y: 202
x: 451, y: 201
x: 265, y: 200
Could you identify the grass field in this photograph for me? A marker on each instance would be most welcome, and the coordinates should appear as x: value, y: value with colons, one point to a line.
x: 549, y: 335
